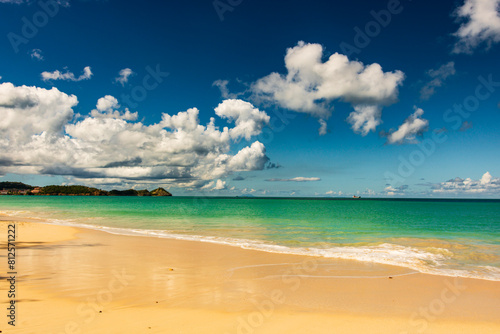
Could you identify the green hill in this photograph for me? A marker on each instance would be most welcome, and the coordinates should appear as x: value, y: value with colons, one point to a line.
x: 18, y: 188
x: 72, y: 191
x: 160, y: 192
x: 14, y: 185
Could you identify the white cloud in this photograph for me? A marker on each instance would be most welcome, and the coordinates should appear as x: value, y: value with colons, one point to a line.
x: 224, y: 91
x: 17, y: 2
x: 365, y: 118
x: 208, y: 185
x: 438, y: 77
x: 38, y: 136
x: 486, y: 178
x: 249, y: 158
x: 248, y: 119
x: 57, y: 75
x: 481, y: 26
x: 310, y: 84
x: 296, y: 179
x: 369, y: 192
x: 220, y: 185
x: 248, y: 191
x: 323, y: 129
x: 124, y: 75
x: 107, y: 107
x: 487, y: 185
x: 30, y: 111
x: 412, y: 127
x: 391, y: 191
x: 36, y: 54
x: 107, y: 103
x: 334, y: 193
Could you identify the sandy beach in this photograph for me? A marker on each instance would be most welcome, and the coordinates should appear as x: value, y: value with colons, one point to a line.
x: 73, y: 280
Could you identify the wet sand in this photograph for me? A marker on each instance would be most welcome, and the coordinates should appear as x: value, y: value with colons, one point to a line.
x: 73, y: 280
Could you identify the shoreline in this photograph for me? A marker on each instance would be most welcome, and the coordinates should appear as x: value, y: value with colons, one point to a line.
x: 405, y: 256
x: 105, y: 283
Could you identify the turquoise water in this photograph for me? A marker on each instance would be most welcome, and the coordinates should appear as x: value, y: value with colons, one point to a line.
x: 449, y: 237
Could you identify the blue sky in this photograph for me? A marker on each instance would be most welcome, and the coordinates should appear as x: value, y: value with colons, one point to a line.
x: 376, y: 98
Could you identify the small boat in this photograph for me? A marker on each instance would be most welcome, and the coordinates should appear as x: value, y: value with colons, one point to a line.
x: 356, y: 196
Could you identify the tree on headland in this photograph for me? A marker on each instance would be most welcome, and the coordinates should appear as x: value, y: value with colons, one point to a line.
x: 144, y: 192
x: 72, y: 190
x: 18, y: 188
x: 14, y: 185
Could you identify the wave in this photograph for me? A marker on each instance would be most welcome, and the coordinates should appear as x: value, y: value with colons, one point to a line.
x: 386, y: 253
x: 419, y: 260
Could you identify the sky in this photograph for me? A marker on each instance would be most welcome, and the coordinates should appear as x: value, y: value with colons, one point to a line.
x: 254, y: 98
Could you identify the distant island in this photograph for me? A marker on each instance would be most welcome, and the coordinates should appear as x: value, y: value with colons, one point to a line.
x: 19, y: 188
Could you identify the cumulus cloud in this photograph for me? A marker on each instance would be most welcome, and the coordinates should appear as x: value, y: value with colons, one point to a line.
x: 108, y: 106
x: 391, y: 191
x: 334, y: 193
x: 220, y: 185
x: 296, y: 179
x: 28, y: 112
x: 487, y: 184
x: 248, y: 119
x: 123, y: 76
x: 68, y: 76
x: 39, y: 136
x: 438, y: 76
x: 413, y: 126
x: 36, y: 54
x: 365, y: 118
x: 249, y: 158
x: 481, y: 26
x: 311, y: 85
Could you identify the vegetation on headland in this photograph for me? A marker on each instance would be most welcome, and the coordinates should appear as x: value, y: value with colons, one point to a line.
x: 18, y: 188
x: 14, y: 186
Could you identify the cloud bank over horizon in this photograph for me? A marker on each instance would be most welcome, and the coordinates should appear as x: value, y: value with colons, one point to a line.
x: 109, y: 146
x: 487, y: 184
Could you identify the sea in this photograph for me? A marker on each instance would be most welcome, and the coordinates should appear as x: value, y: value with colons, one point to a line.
x: 449, y: 237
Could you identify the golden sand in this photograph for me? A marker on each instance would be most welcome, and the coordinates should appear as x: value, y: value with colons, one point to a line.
x: 84, y: 281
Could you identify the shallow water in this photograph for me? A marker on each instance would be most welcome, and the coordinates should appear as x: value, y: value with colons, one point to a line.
x: 449, y: 237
